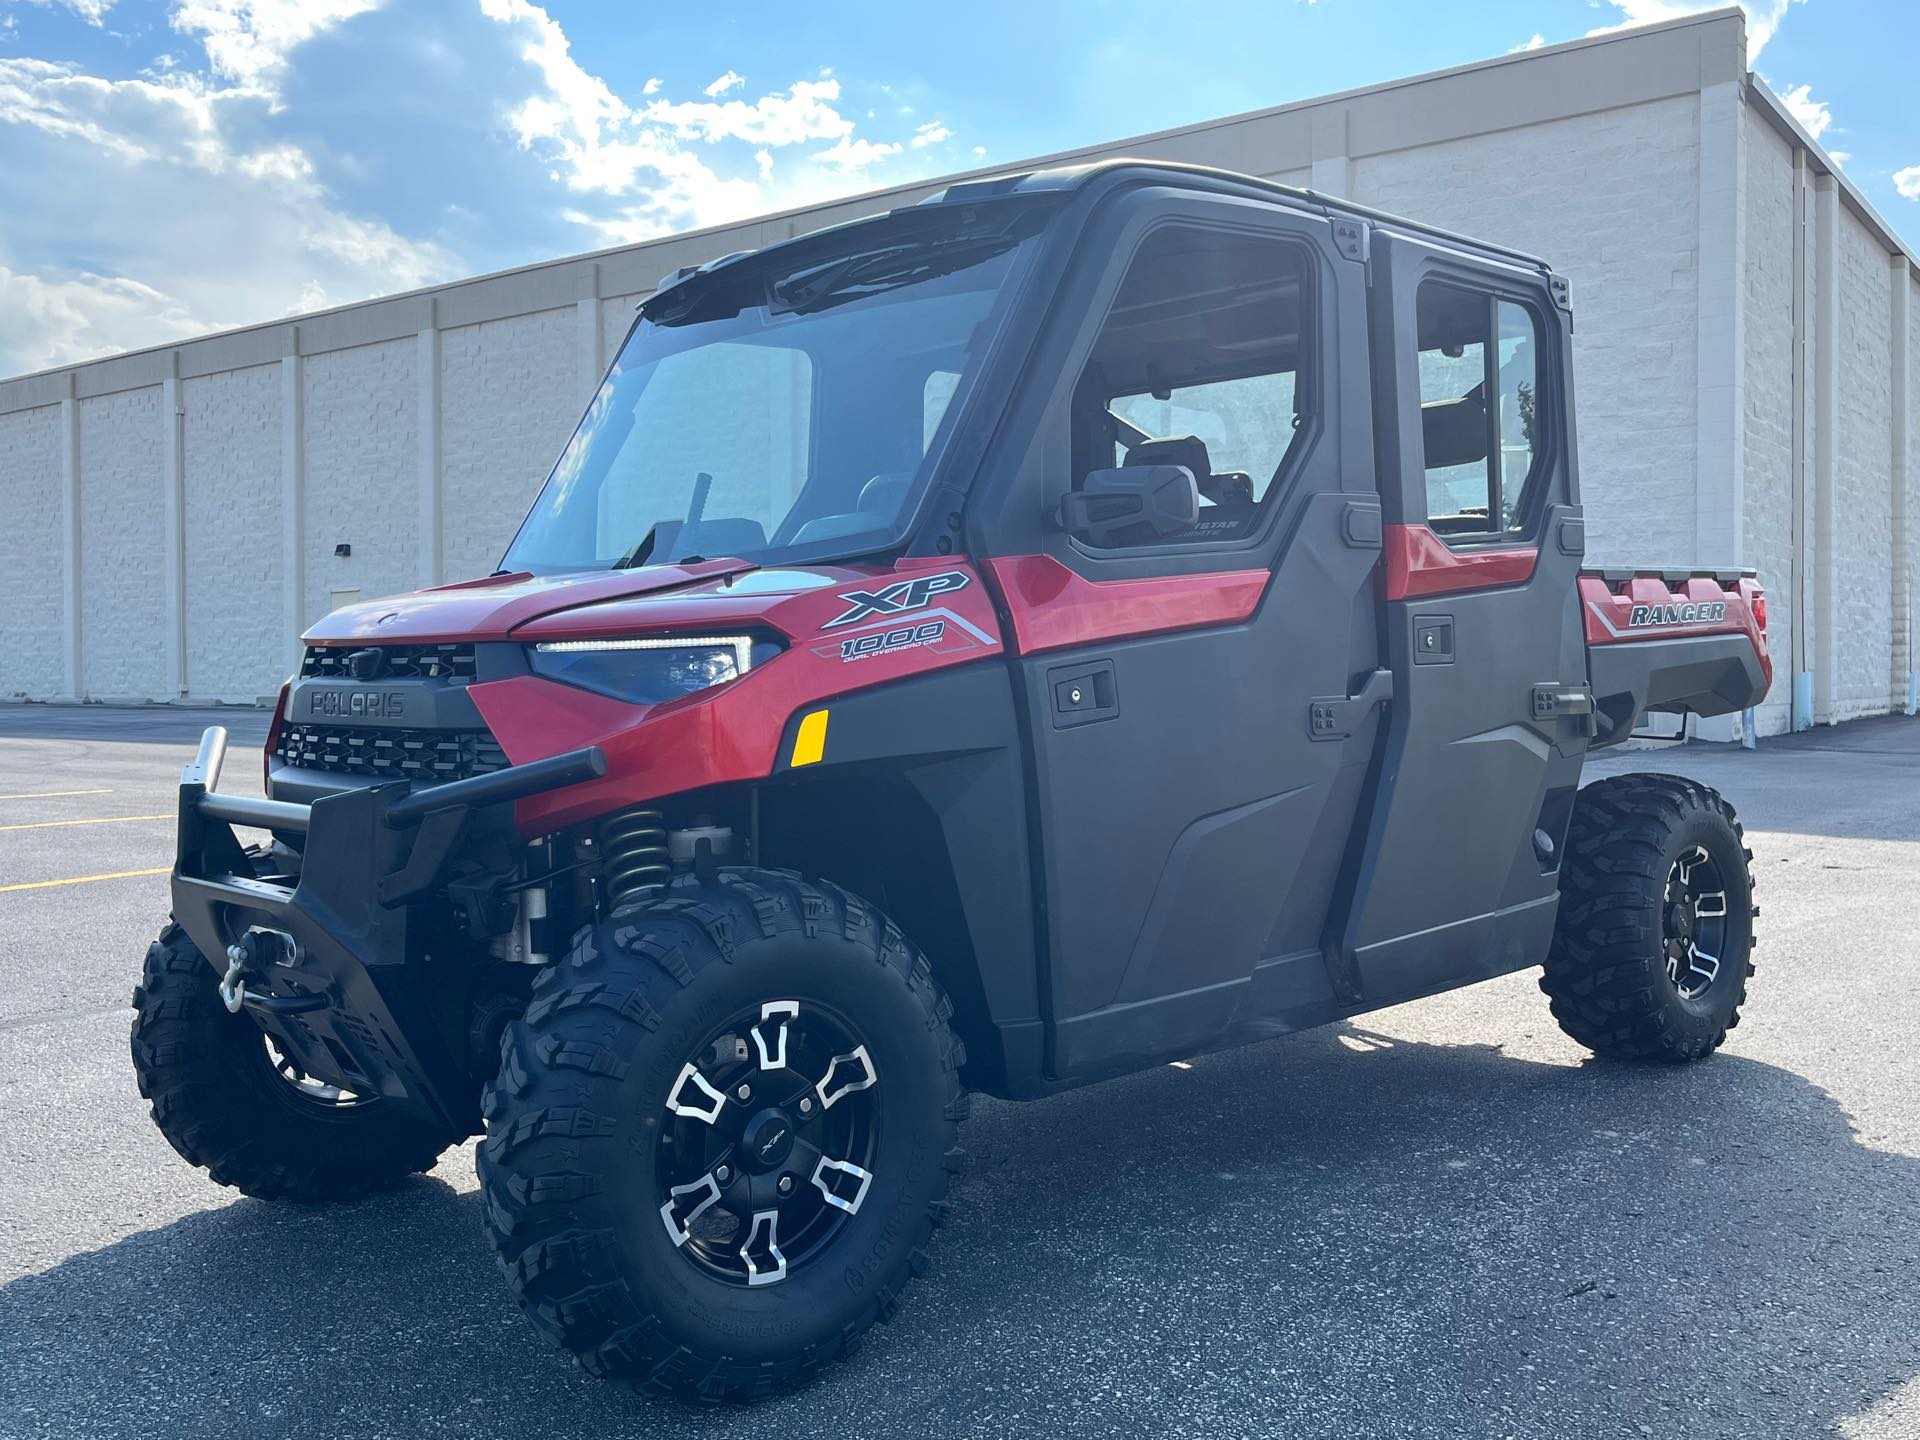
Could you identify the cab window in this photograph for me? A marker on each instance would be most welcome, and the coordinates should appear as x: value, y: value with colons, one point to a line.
x: 1199, y: 364
x: 1480, y: 414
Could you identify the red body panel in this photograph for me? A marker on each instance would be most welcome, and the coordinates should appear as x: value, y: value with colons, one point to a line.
x: 1645, y: 607
x: 729, y: 733
x: 1052, y: 607
x: 1420, y: 563
x: 490, y: 609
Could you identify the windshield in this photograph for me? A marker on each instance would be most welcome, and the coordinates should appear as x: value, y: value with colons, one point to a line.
x: 781, y: 413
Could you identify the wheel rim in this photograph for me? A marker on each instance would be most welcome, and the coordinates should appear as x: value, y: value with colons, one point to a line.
x: 304, y: 1088
x: 767, y: 1140
x: 1694, y: 923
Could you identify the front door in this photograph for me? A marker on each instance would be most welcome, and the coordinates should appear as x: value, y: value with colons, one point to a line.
x: 1197, y: 765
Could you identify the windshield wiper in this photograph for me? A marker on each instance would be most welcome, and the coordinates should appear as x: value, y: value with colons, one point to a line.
x: 679, y: 531
x: 642, y: 549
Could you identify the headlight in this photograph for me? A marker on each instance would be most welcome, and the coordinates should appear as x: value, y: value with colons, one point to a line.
x: 651, y: 670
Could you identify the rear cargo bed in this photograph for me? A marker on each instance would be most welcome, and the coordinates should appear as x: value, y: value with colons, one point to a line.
x: 1672, y: 640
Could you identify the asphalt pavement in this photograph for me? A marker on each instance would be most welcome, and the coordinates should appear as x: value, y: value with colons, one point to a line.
x: 1439, y: 1220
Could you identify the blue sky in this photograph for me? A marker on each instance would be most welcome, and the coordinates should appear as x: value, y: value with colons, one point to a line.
x: 171, y: 168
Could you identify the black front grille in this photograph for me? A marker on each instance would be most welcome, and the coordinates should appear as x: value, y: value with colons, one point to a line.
x: 399, y: 662
x: 429, y: 756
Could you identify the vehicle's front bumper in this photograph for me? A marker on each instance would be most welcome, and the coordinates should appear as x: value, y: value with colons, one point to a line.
x: 342, y: 982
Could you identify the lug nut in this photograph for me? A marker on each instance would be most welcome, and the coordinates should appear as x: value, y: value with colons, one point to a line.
x: 744, y: 1092
x: 806, y: 1106
x: 786, y: 1184
x: 722, y: 1174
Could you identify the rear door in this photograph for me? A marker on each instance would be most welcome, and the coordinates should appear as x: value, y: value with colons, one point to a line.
x: 1191, y: 820
x: 1457, y: 871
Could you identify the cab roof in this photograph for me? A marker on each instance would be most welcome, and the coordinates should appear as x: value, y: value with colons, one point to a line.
x: 1064, y: 179
x: 1213, y: 179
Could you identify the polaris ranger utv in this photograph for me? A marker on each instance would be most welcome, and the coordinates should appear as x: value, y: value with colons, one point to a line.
x: 1083, y: 619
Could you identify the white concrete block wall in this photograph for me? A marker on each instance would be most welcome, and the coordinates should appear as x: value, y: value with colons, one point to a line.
x: 509, y: 398
x: 32, y: 595
x: 1906, y: 682
x: 1767, y: 430
x: 230, y: 470
x: 1862, y: 542
x: 1646, y: 166
x: 361, y: 460
x: 1612, y: 200
x: 123, y: 534
x: 616, y: 318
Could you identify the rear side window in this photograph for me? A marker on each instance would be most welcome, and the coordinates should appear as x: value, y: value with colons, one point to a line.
x: 1200, y: 363
x: 1480, y: 412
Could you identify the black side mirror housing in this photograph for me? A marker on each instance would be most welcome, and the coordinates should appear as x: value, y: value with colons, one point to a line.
x: 1136, y: 504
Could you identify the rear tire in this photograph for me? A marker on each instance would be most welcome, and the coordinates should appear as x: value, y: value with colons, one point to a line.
x: 1654, y: 941
x: 218, y: 1096
x: 692, y: 1069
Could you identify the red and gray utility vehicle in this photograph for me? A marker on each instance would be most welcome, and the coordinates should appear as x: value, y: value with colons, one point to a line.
x: 1082, y: 619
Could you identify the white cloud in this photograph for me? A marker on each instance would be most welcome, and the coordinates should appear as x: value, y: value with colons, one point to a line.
x: 52, y: 322
x: 1538, y: 42
x: 1813, y: 115
x: 248, y: 40
x: 576, y: 105
x: 199, y: 201
x: 1840, y: 157
x: 192, y: 216
x: 640, y: 156
x: 979, y: 150
x: 851, y: 157
x: 94, y: 12
x: 804, y: 112
x: 1763, y: 16
x: 646, y: 167
x: 1907, y: 182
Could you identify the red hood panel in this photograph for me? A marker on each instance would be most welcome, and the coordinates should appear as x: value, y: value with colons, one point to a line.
x: 490, y: 609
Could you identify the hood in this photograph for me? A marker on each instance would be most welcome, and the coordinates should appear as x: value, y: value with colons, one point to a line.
x: 491, y: 609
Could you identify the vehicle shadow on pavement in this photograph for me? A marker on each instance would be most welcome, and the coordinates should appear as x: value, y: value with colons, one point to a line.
x: 1339, y: 1233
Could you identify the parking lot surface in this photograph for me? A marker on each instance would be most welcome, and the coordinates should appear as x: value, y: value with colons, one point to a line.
x: 1438, y: 1220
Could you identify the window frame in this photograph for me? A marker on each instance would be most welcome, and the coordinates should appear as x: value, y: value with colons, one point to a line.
x: 1548, y: 407
x: 1310, y: 387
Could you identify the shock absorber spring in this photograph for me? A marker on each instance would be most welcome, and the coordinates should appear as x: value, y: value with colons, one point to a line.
x: 633, y: 848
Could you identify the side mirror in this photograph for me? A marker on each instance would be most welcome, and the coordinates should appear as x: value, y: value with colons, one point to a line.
x: 1132, y: 505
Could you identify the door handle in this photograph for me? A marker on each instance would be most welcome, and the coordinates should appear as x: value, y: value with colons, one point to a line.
x: 1336, y: 717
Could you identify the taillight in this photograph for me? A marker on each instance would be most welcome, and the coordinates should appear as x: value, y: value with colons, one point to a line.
x: 1760, y: 610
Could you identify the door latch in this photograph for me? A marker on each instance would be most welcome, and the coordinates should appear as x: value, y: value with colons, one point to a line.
x: 1550, y: 702
x: 1336, y: 717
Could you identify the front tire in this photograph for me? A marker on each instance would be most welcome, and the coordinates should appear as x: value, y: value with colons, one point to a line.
x: 228, y: 1102
x: 1653, y: 946
x: 722, y: 1136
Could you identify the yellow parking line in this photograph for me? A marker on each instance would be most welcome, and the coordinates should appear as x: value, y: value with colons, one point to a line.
x: 53, y: 794
x: 84, y: 879
x: 104, y: 820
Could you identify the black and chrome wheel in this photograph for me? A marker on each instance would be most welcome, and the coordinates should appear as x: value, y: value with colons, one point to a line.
x: 1653, y: 946
x: 1694, y: 923
x: 226, y: 1096
x: 762, y: 1165
x: 722, y: 1135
